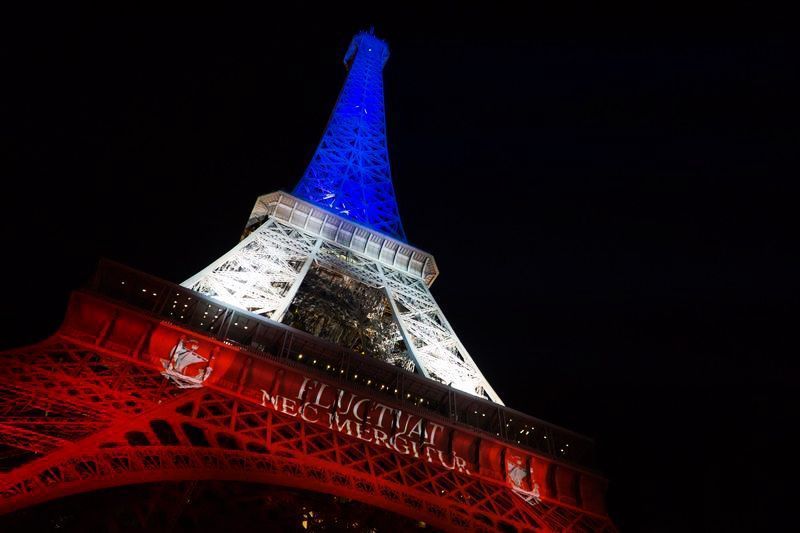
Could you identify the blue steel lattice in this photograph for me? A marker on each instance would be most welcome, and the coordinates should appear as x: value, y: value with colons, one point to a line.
x: 349, y: 173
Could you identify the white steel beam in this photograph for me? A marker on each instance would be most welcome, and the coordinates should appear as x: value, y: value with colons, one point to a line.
x: 263, y: 273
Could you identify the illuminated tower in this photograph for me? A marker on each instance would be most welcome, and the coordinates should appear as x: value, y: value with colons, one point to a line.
x: 307, y: 378
x: 340, y: 231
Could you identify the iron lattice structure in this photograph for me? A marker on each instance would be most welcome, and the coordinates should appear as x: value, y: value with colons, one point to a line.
x: 343, y: 216
x: 264, y: 272
x: 95, y: 407
x: 209, y: 505
x: 151, y: 382
x: 349, y: 174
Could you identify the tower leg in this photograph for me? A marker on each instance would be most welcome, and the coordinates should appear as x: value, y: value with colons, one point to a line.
x: 262, y: 273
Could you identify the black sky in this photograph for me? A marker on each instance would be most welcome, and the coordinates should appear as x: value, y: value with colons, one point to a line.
x: 610, y: 194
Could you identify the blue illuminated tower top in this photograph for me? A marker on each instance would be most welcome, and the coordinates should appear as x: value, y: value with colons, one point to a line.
x: 349, y: 173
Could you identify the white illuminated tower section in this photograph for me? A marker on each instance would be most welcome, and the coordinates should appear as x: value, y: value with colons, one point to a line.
x: 332, y: 257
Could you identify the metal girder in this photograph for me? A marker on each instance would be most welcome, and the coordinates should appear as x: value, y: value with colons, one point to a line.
x: 354, y: 237
x: 349, y: 173
x: 200, y: 434
x: 265, y: 270
x: 24, y: 439
x: 262, y: 272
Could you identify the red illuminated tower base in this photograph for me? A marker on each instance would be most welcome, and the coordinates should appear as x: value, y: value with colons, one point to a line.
x: 197, y: 407
x: 120, y: 396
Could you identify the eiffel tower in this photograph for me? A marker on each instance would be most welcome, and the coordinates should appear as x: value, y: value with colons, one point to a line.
x: 306, y: 378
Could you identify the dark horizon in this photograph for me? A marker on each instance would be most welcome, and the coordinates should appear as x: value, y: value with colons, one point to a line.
x: 608, y: 197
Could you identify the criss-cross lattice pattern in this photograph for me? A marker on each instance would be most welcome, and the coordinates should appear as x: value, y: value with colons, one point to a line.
x: 349, y: 174
x: 264, y: 271
x: 86, y: 418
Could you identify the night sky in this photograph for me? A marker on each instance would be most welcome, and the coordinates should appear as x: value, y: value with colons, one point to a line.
x: 608, y: 193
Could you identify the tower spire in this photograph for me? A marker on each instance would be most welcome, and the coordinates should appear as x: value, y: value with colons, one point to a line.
x: 349, y: 174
